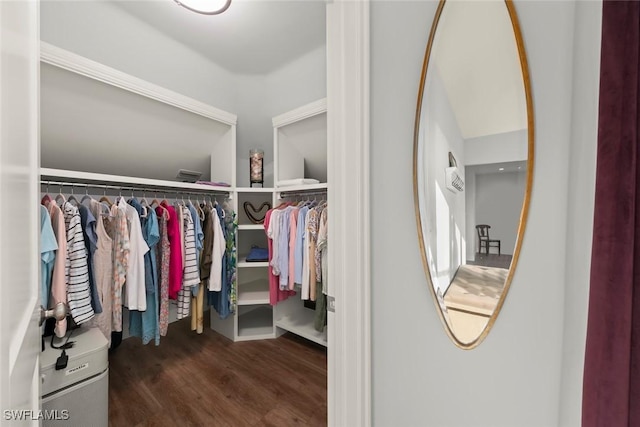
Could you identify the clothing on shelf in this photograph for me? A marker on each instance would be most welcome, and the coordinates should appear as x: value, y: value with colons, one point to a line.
x: 297, y: 181
x: 99, y: 256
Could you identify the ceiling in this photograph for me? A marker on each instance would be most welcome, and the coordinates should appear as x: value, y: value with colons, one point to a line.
x: 251, y: 37
x: 477, y: 58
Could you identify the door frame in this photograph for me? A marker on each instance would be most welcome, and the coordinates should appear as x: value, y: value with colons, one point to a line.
x: 349, y: 349
x: 349, y: 337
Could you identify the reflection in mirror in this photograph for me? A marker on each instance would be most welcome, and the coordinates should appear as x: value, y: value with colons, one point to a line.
x: 473, y: 157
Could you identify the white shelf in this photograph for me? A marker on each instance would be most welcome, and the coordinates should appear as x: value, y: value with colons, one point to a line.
x: 242, y: 263
x: 257, y: 322
x: 251, y: 227
x: 299, y: 188
x: 254, y: 190
x: 300, y: 322
x: 254, y: 292
x: 102, y: 179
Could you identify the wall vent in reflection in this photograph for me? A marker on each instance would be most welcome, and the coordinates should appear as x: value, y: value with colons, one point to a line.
x: 454, y: 181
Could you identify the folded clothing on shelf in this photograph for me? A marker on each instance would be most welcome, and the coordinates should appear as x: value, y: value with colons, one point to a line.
x: 258, y: 254
x: 216, y: 184
x: 297, y: 181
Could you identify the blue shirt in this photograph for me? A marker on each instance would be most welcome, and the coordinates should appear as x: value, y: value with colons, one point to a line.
x: 197, y: 229
x: 48, y: 247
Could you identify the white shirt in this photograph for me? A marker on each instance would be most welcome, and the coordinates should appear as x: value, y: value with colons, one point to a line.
x: 136, y: 294
x: 273, y: 232
x: 219, y: 246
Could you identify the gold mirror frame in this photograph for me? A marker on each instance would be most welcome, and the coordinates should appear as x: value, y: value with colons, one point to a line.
x: 529, y: 182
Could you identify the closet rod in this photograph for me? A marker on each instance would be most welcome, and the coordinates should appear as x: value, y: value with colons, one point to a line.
x: 302, y: 193
x: 149, y: 189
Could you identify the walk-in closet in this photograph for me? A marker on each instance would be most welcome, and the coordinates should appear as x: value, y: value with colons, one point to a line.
x: 184, y: 180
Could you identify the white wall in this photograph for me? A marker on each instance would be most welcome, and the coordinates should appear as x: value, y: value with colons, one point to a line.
x: 442, y: 211
x: 499, y: 198
x: 496, y: 148
x: 106, y: 33
x: 470, y: 211
x: 103, y: 32
x: 514, y: 377
x: 260, y: 98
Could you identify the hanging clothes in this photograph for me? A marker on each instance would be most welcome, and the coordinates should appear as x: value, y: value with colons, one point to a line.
x: 76, y: 268
x: 103, y: 269
x: 219, y: 245
x: 220, y: 300
x: 312, y: 230
x: 305, y: 286
x: 145, y: 324
x: 58, y: 282
x: 118, y: 230
x: 320, y: 320
x: 293, y: 226
x: 48, y: 248
x: 231, y: 228
x: 197, y: 291
x: 164, y: 260
x: 191, y: 273
x: 275, y: 293
x: 175, y: 242
x: 300, y: 244
x: 88, y: 222
x: 136, y: 296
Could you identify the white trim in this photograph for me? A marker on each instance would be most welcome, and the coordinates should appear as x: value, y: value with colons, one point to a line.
x: 70, y: 61
x: 300, y: 113
x: 349, y: 347
x: 104, y: 179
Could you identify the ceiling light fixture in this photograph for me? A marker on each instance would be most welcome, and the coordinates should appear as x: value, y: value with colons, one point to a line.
x: 205, y: 7
x: 501, y: 169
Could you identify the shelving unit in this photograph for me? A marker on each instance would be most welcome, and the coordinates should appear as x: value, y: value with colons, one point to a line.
x: 300, y: 147
x: 300, y: 151
x: 254, y: 316
x: 254, y: 292
x: 295, y: 318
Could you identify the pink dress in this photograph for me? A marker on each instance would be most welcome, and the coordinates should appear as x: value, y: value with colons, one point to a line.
x: 175, y: 257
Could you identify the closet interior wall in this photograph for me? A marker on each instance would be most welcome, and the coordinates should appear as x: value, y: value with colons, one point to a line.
x: 117, y: 131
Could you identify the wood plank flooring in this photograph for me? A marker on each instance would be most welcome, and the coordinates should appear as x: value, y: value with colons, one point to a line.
x: 207, y: 380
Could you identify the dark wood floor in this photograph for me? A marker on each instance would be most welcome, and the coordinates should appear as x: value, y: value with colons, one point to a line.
x: 207, y: 380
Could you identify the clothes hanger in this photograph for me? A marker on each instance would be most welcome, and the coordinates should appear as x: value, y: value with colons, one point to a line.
x: 46, y: 199
x: 105, y: 199
x: 86, y: 196
x: 60, y: 197
x: 144, y: 204
x: 72, y: 197
x: 165, y: 212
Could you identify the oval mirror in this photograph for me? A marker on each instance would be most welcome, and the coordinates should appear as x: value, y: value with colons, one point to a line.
x: 473, y: 159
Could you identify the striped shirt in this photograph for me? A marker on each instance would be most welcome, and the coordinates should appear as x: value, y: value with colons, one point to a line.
x: 191, y: 271
x: 76, y: 267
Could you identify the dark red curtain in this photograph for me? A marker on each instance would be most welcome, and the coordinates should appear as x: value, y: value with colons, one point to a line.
x: 611, y: 389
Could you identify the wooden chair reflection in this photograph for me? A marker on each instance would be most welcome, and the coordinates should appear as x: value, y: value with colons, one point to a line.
x: 484, y: 239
